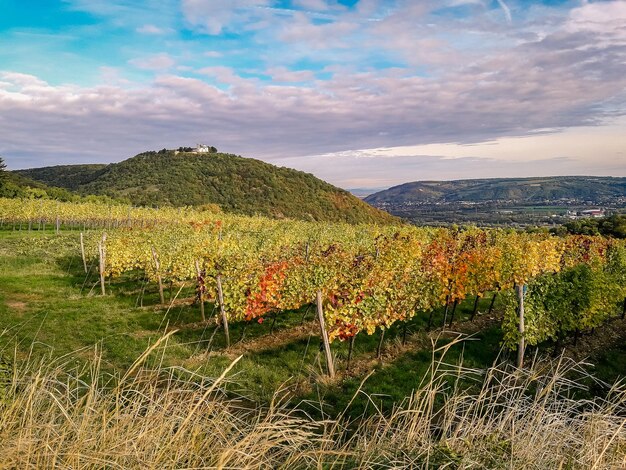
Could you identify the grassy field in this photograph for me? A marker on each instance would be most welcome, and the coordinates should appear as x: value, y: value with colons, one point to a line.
x: 76, y: 355
x: 48, y: 305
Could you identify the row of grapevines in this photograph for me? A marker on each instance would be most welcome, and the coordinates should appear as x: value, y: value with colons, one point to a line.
x: 369, y: 278
x: 582, y: 296
x: 97, y: 215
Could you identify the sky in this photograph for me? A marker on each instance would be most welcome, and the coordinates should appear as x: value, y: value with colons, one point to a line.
x: 362, y: 93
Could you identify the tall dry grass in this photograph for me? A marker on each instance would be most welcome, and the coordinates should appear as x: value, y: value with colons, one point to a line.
x: 166, y: 418
x: 511, y: 419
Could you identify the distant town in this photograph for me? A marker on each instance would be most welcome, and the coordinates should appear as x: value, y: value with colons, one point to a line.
x: 507, y: 212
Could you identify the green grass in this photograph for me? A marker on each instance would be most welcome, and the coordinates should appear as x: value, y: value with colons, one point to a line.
x: 390, y: 383
x: 48, y: 303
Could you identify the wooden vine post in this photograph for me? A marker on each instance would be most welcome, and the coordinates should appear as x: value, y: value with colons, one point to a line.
x: 350, y: 351
x: 379, y: 349
x: 445, y: 312
x: 102, y: 262
x: 493, y: 301
x: 454, y: 306
x: 274, y: 315
x: 430, y: 319
x: 201, y: 290
x: 82, y: 251
x: 157, y: 265
x: 220, y: 299
x: 519, y: 289
x: 475, y: 309
x: 327, y: 351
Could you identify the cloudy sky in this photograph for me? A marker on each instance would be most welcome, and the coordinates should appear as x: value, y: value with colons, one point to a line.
x: 363, y: 93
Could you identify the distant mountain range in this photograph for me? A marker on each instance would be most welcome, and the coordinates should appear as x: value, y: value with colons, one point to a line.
x: 236, y: 184
x: 507, y: 190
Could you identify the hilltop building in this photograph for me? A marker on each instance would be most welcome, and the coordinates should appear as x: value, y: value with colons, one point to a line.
x: 200, y: 148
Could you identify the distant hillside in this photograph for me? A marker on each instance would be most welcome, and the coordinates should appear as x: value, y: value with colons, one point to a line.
x: 236, y: 184
x: 71, y: 177
x: 517, y: 190
x: 20, y: 186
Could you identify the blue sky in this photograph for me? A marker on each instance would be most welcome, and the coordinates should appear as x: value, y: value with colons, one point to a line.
x: 363, y: 93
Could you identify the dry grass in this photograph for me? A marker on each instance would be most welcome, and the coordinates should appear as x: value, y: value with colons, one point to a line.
x: 170, y: 418
x: 512, y: 419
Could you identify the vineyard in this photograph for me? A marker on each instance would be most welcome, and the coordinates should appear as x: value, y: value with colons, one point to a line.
x: 361, y: 279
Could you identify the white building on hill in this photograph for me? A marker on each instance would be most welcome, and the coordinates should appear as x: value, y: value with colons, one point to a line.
x: 201, y: 148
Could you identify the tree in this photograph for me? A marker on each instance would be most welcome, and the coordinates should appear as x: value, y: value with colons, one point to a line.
x: 614, y: 226
x: 3, y: 172
x: 583, y: 227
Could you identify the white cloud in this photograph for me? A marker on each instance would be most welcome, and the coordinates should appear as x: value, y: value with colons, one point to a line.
x: 225, y: 75
x: 113, y: 76
x: 150, y: 29
x: 25, y: 82
x: 156, y: 62
x: 301, y: 29
x: 213, y: 16
x: 597, y: 16
x: 284, y: 75
x: 605, y: 19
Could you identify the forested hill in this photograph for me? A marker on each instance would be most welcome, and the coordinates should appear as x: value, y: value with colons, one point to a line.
x: 236, y: 184
x: 18, y: 186
x: 70, y: 177
x: 521, y: 190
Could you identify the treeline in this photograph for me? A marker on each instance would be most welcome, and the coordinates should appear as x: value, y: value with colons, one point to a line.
x: 613, y: 226
x: 14, y: 186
